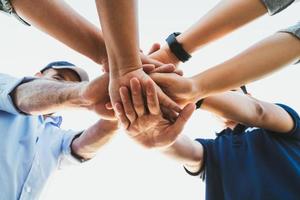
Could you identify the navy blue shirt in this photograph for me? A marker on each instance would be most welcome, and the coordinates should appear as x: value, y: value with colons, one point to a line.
x: 253, y: 163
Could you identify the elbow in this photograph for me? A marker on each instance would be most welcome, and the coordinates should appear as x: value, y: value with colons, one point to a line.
x: 260, y: 113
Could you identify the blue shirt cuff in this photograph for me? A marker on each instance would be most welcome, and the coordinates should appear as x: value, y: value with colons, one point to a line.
x: 67, y: 159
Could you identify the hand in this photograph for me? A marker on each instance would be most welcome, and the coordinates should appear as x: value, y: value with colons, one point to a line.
x: 145, y: 124
x: 96, y: 95
x: 163, y: 54
x: 181, y: 89
x: 117, y: 82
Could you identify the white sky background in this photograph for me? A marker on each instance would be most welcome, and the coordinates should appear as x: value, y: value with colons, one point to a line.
x: 123, y: 170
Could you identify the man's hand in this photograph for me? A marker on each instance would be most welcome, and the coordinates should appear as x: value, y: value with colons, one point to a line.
x: 117, y: 82
x: 181, y: 89
x: 145, y: 123
x: 96, y: 95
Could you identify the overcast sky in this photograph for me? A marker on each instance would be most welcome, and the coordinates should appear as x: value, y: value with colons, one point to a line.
x: 123, y: 170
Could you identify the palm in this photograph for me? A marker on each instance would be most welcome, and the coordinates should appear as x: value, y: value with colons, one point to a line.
x: 155, y: 134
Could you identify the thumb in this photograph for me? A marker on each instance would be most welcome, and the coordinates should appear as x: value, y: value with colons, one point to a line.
x: 184, y: 116
x: 155, y: 47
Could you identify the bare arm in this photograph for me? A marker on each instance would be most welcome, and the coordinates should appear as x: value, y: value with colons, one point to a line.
x: 43, y: 96
x: 250, y: 111
x: 187, y: 152
x: 94, y: 138
x: 120, y: 29
x: 259, y: 60
x: 226, y: 17
x: 59, y: 20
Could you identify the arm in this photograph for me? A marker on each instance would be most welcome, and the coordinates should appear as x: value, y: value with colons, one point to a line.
x: 43, y: 96
x: 259, y: 60
x: 119, y: 24
x: 186, y: 152
x: 60, y: 21
x: 120, y: 29
x: 87, y: 145
x: 226, y: 17
x: 250, y: 111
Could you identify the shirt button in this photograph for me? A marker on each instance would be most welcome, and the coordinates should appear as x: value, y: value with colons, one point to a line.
x: 28, y: 189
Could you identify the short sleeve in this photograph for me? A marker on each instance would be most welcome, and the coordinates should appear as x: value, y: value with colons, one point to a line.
x: 7, y: 86
x: 293, y: 30
x: 295, y: 132
x: 206, y: 143
x: 276, y: 6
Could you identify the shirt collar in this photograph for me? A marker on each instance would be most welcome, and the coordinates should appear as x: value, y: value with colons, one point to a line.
x: 54, y: 120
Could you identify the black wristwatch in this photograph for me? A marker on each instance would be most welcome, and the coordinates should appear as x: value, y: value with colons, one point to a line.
x: 199, y: 103
x: 176, y: 48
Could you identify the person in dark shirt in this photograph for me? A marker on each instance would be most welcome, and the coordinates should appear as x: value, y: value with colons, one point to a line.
x: 256, y: 157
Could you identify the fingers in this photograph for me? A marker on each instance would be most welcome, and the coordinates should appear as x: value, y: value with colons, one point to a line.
x: 146, y: 60
x: 167, y: 101
x: 148, y: 68
x: 152, y: 99
x: 137, y: 96
x: 183, y: 117
x: 121, y: 115
x: 127, y: 104
x: 155, y: 47
x: 166, y: 68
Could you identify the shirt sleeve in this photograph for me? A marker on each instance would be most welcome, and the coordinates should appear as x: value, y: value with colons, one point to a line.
x: 276, y: 6
x: 295, y: 132
x: 67, y: 159
x: 206, y: 143
x: 7, y: 86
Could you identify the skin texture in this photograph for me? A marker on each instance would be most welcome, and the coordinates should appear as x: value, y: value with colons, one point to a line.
x: 120, y: 30
x: 224, y: 18
x: 59, y: 89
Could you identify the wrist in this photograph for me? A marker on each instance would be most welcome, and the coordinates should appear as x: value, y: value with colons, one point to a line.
x: 169, y: 56
x: 75, y: 96
x: 196, y: 90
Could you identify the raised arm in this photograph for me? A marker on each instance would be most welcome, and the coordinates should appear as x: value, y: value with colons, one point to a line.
x: 225, y: 17
x: 254, y: 63
x: 44, y: 96
x: 120, y: 29
x: 59, y: 20
x: 95, y: 137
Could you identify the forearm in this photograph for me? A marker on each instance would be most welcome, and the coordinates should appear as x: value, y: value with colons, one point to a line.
x: 94, y: 138
x: 60, y: 21
x: 227, y: 16
x: 186, y: 152
x: 259, y: 60
x: 224, y: 18
x: 43, y: 96
x: 120, y: 29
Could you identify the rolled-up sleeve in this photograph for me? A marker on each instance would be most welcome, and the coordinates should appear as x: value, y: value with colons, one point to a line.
x: 66, y: 158
x: 7, y: 85
x: 275, y: 6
